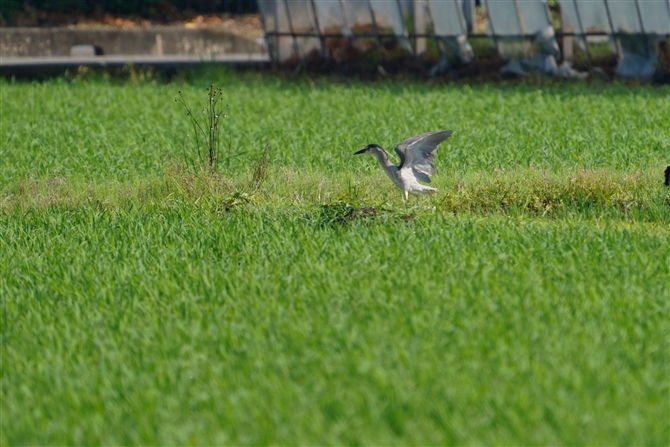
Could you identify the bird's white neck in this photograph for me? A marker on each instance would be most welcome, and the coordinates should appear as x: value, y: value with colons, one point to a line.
x: 383, y: 158
x: 389, y: 168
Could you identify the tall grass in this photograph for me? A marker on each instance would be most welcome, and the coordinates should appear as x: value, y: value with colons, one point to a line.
x: 100, y: 130
x: 292, y: 298
x: 196, y: 325
x: 636, y: 196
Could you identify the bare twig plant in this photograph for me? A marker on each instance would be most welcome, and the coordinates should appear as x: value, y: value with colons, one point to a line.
x: 206, y: 129
x: 260, y: 170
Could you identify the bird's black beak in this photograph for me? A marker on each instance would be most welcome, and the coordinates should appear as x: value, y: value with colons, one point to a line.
x: 362, y: 151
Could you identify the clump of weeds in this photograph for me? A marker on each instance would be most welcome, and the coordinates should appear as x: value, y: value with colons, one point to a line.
x: 537, y: 192
x: 206, y: 130
x: 206, y: 155
x: 260, y: 173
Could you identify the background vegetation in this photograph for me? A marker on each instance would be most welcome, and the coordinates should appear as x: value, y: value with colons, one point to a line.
x: 142, y: 8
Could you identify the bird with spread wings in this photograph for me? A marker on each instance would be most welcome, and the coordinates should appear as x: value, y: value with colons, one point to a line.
x: 417, y: 161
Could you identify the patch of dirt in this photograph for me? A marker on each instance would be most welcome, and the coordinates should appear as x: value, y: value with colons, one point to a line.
x: 246, y: 25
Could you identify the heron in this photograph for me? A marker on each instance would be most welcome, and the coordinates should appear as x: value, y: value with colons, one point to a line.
x: 417, y: 162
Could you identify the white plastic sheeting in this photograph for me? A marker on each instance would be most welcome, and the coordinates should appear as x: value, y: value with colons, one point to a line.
x: 450, y: 29
x: 522, y: 30
x: 524, y: 34
x: 634, y: 28
x: 288, y: 22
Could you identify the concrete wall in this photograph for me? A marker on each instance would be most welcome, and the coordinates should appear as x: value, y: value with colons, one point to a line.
x: 157, y: 41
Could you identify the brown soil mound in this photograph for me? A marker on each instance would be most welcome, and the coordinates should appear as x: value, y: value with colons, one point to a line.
x: 247, y: 25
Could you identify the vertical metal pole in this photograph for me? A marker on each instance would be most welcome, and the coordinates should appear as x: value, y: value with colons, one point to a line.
x: 275, y: 10
x: 519, y: 17
x: 265, y: 33
x: 419, y: 13
x: 646, y: 37
x: 348, y: 34
x: 522, y: 26
x: 429, y: 13
x: 493, y: 31
x: 612, y: 31
x: 402, y: 24
x: 468, y: 11
x: 583, y: 33
x: 376, y: 30
x: 461, y: 17
x: 296, y: 49
x: 318, y: 29
x: 566, y: 42
x: 345, y: 21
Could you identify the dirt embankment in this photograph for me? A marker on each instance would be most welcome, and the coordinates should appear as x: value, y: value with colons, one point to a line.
x: 246, y: 25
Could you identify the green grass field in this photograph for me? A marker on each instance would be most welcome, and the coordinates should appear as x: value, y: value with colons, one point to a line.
x: 144, y: 303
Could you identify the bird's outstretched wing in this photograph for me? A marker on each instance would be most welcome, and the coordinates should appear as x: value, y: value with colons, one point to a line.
x: 418, y: 153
